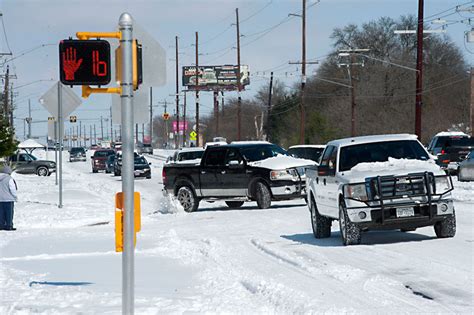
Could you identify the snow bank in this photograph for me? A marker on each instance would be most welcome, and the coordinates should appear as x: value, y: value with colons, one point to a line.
x: 282, y: 162
x: 398, y: 166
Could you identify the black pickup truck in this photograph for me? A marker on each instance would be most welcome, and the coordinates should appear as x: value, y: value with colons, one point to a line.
x: 235, y: 173
x: 453, y: 152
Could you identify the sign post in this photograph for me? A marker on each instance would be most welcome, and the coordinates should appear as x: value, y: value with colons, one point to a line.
x: 126, y: 84
x: 60, y: 129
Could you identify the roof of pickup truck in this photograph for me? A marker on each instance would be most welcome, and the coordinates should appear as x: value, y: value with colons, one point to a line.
x: 370, y: 139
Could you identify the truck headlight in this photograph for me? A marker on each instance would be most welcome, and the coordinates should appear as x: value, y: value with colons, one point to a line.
x: 281, y: 175
x: 442, y: 184
x: 52, y: 164
x: 357, y: 191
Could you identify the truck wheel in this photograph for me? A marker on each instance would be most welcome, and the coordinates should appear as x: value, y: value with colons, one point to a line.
x: 94, y: 170
x: 187, y: 199
x: 321, y: 225
x: 446, y: 228
x: 234, y: 204
x: 42, y: 171
x: 263, y: 196
x: 350, y: 232
x: 108, y: 171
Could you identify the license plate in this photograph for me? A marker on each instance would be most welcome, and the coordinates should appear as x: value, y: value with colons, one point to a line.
x: 405, y: 212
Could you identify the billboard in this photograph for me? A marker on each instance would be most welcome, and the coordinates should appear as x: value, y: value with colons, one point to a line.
x: 215, y: 77
x: 183, y: 125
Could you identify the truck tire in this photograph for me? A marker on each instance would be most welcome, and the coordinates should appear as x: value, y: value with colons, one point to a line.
x: 350, y: 232
x: 108, y: 171
x: 187, y: 199
x: 446, y: 228
x: 263, y: 196
x: 321, y: 225
x: 234, y: 204
x: 42, y: 171
x: 94, y: 170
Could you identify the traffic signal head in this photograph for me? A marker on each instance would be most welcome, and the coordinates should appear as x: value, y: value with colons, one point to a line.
x: 72, y: 119
x: 84, y: 62
x: 166, y: 116
x: 137, y: 77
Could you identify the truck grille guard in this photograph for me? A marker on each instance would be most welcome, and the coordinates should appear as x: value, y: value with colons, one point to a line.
x: 383, y: 191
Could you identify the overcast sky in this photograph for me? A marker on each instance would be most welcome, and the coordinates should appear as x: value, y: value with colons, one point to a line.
x: 32, y: 23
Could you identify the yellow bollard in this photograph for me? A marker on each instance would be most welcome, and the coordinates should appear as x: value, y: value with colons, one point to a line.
x: 119, y: 219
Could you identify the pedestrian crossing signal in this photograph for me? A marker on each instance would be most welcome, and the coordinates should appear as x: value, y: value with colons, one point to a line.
x: 72, y: 119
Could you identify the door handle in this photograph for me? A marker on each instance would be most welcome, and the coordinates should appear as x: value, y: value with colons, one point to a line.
x: 317, y: 180
x: 203, y: 172
x: 222, y: 172
x: 324, y: 181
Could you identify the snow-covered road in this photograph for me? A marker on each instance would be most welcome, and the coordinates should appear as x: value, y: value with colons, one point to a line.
x: 219, y: 260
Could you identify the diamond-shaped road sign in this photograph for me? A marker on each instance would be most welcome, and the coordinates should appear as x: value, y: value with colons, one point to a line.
x: 70, y: 100
x: 49, y: 100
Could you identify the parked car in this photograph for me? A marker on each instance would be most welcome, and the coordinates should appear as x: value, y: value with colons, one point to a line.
x: 186, y: 155
x: 141, y: 166
x: 99, y: 159
x: 309, y: 152
x: 379, y: 182
x: 26, y: 163
x: 144, y: 148
x: 439, y: 140
x: 453, y: 152
x: 235, y: 173
x: 77, y: 154
x: 466, y: 168
x: 110, y: 163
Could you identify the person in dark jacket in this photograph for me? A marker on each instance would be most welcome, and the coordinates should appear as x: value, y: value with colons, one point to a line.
x: 8, y: 195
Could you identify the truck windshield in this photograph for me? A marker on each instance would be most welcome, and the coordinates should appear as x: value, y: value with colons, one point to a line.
x: 352, y: 155
x: 261, y: 152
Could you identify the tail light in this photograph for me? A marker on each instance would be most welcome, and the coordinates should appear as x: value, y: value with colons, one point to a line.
x: 163, y: 175
x: 442, y: 151
x: 446, y: 161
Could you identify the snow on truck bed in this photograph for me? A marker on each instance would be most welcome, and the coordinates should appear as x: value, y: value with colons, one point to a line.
x: 219, y: 260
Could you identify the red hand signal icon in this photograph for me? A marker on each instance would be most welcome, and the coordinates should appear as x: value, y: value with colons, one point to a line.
x: 70, y: 64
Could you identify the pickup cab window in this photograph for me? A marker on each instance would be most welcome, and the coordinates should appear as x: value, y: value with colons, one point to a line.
x: 262, y: 152
x: 380, y: 152
x: 216, y: 157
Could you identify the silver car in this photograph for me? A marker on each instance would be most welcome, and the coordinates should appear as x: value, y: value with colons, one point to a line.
x: 466, y: 168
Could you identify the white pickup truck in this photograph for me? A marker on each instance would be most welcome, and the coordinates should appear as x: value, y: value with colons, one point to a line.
x: 379, y: 182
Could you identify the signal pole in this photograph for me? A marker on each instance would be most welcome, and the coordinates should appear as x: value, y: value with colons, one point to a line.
x: 177, y: 95
x: 239, y: 86
x: 197, y: 91
x: 101, y: 128
x: 184, y: 120
x: 419, y: 67
x: 472, y: 102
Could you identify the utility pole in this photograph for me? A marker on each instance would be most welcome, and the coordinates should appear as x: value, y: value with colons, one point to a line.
x: 11, y: 107
x: 136, y: 133
x: 151, y: 116
x: 303, y: 76
x: 80, y: 133
x: 29, y: 119
x: 165, y: 110
x: 197, y: 91
x: 472, y: 102
x: 5, y: 95
x: 177, y: 95
x: 269, y: 107
x: 184, y: 120
x: 95, y: 136
x: 216, y: 112
x: 101, y: 128
x: 90, y: 135
x: 350, y: 71
x: 239, y: 86
x: 111, y: 125
x: 419, y: 67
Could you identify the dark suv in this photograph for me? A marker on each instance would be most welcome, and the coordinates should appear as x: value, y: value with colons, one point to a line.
x: 25, y: 163
x: 77, y: 154
x: 99, y: 159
